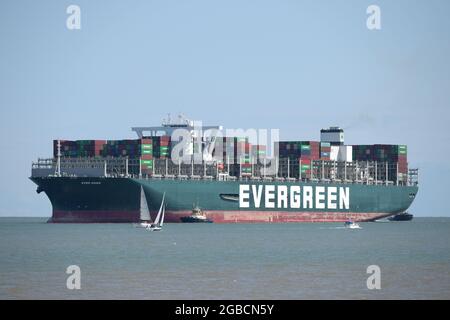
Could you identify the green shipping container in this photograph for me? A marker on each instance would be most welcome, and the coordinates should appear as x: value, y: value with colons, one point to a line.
x: 305, y: 147
x: 305, y: 168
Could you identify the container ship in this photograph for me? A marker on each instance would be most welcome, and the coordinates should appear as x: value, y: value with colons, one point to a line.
x: 232, y: 178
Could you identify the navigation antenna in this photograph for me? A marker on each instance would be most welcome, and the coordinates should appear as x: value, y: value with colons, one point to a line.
x: 184, y: 120
x: 58, y: 161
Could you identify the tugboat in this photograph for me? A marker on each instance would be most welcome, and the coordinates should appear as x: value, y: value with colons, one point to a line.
x: 405, y: 216
x: 196, y: 216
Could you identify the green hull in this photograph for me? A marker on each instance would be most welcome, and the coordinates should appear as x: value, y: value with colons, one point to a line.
x: 118, y: 200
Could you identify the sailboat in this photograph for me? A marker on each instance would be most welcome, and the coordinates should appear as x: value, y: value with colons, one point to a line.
x: 159, y: 221
x: 144, y: 214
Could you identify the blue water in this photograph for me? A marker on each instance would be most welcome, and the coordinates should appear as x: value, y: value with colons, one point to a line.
x: 216, y: 261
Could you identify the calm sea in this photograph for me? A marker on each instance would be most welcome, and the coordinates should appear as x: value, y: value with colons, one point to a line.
x: 214, y: 261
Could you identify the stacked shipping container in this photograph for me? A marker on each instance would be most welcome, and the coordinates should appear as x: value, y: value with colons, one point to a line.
x: 300, y: 154
x: 297, y: 149
x: 236, y: 153
x: 258, y: 151
x: 308, y: 154
x: 145, y: 149
x: 79, y: 148
x: 325, y: 151
x: 243, y: 154
x: 240, y: 154
x: 161, y: 147
x: 381, y: 153
x: 146, y: 156
x: 341, y: 153
x: 122, y: 148
x: 385, y: 153
x: 233, y: 150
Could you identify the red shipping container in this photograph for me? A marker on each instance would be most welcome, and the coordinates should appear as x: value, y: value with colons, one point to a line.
x: 243, y: 146
x: 304, y: 160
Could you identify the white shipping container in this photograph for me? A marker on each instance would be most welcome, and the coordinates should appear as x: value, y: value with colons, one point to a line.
x: 345, y: 153
x: 334, y: 153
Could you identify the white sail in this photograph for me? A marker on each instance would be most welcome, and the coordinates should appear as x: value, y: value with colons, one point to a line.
x: 162, y: 217
x: 144, y: 212
x: 158, y: 217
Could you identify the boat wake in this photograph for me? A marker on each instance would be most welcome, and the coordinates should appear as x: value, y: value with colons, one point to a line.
x: 338, y: 228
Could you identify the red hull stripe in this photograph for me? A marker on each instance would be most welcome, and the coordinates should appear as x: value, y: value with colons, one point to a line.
x: 94, y: 216
x: 277, y: 216
x: 218, y: 216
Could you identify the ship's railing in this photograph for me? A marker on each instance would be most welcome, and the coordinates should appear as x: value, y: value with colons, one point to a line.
x: 42, y: 163
x: 360, y: 172
x: 413, y: 177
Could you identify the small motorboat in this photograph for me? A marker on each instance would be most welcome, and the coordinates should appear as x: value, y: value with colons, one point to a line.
x: 351, y: 225
x: 196, y: 217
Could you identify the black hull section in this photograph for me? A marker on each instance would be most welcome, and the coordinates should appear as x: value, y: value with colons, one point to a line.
x: 194, y: 220
x: 91, y: 200
x: 401, y: 217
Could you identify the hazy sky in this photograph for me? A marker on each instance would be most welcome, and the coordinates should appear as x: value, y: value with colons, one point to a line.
x: 293, y: 65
